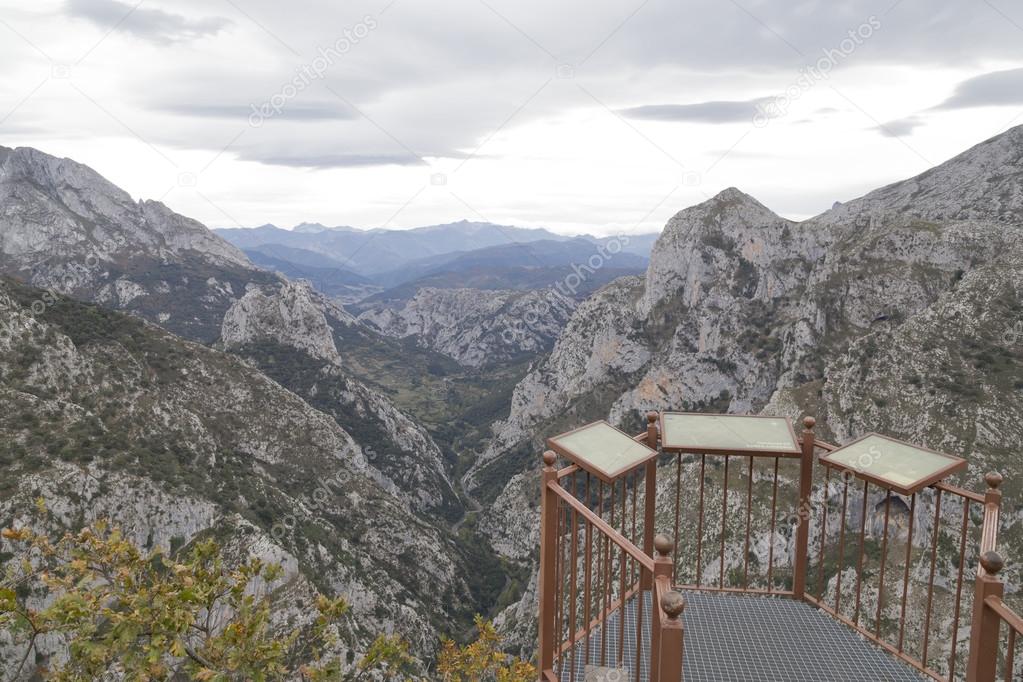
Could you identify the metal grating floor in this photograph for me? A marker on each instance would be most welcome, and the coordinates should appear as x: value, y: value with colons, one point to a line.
x: 745, y: 638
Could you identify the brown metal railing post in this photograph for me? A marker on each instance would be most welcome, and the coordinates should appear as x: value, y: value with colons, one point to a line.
x: 646, y: 581
x: 669, y: 665
x: 803, y: 513
x: 983, y: 663
x: 548, y: 587
x: 992, y: 513
x: 664, y: 571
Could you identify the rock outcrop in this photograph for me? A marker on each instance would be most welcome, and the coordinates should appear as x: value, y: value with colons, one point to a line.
x: 477, y: 327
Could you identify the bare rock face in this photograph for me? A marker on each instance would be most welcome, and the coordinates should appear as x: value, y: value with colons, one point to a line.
x: 287, y: 314
x: 54, y: 207
x: 64, y: 228
x: 898, y: 312
x: 476, y: 327
x: 402, y: 456
x: 105, y: 415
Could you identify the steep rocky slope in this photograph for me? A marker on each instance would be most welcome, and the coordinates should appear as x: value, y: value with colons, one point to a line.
x: 476, y: 327
x: 105, y: 415
x: 895, y: 312
x: 288, y: 332
x: 64, y: 228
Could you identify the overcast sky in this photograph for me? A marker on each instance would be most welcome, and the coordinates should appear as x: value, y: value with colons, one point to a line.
x: 592, y: 115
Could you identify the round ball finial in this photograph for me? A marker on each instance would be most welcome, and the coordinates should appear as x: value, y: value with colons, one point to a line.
x: 993, y: 479
x: 651, y: 417
x: 663, y: 544
x: 549, y: 458
x: 673, y: 604
x: 809, y: 423
x: 992, y: 562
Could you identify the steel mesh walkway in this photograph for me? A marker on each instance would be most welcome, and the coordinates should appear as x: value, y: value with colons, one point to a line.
x: 745, y: 638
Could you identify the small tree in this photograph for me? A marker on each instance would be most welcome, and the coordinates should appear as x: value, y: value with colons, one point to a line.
x: 154, y: 617
x: 160, y: 616
x: 483, y: 660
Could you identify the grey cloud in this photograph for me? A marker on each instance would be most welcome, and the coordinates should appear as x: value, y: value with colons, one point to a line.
x: 701, y: 112
x: 445, y: 87
x: 290, y: 111
x: 341, y: 160
x: 900, y: 127
x: 150, y: 24
x: 991, y: 89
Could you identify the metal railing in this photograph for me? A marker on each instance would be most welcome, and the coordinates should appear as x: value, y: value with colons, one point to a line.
x: 881, y: 563
x: 596, y: 555
x: 864, y: 576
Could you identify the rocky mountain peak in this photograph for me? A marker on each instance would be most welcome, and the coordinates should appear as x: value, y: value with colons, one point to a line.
x: 58, y: 209
x: 696, y: 238
x: 56, y: 176
x: 286, y: 314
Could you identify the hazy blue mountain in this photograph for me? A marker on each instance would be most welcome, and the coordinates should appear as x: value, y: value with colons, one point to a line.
x: 369, y: 252
x: 324, y: 273
x: 543, y: 254
x: 373, y: 252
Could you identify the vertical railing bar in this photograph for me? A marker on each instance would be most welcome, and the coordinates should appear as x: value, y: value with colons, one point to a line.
x: 863, y: 551
x: 1010, y: 657
x: 572, y: 592
x: 959, y: 588
x: 639, y: 629
x: 623, y: 568
x: 635, y: 537
x: 678, y: 513
x: 699, y: 528
x: 749, y: 521
x: 621, y: 607
x: 587, y: 579
x: 604, y: 586
x: 905, y: 577
x: 724, y: 525
x: 930, y: 580
x: 841, y: 545
x: 884, y: 560
x: 624, y: 529
x: 821, y: 588
x: 774, y: 518
x: 610, y: 556
x: 560, y: 573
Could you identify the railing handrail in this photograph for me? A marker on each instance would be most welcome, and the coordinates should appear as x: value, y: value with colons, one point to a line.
x: 568, y: 471
x: 1008, y: 616
x: 647, y: 562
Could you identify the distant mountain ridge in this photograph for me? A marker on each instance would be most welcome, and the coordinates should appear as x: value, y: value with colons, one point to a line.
x: 372, y: 253
x: 540, y: 254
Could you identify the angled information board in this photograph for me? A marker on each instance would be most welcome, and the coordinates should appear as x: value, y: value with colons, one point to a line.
x: 895, y: 464
x: 602, y: 450
x: 728, y: 434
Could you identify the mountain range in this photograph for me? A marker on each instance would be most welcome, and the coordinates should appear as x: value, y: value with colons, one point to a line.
x: 351, y: 265
x: 155, y: 373
x: 377, y: 251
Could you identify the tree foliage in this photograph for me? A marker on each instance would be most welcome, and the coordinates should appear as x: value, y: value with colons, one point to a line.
x: 189, y: 615
x: 483, y: 660
x: 158, y: 617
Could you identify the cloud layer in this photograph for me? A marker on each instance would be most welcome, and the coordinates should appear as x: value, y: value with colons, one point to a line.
x: 532, y: 111
x: 150, y: 24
